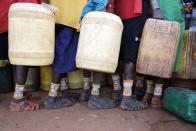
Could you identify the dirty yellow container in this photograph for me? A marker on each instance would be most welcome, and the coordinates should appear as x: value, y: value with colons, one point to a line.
x: 75, y: 79
x: 31, y: 35
x: 69, y: 12
x: 158, y: 48
x: 46, y: 77
x: 99, y: 42
x: 187, y: 68
x: 33, y: 79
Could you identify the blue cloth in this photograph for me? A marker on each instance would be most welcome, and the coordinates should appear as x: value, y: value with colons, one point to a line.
x: 66, y: 43
x: 93, y: 5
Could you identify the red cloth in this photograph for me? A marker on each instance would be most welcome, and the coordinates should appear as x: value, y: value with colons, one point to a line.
x: 110, y: 6
x: 4, y: 8
x: 127, y: 9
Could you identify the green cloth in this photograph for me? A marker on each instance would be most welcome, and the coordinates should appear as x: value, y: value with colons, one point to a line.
x: 172, y: 10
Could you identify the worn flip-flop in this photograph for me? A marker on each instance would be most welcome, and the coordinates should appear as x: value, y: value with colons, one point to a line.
x: 23, y: 106
x: 156, y: 102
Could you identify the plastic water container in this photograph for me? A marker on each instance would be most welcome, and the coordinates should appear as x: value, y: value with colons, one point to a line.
x: 75, y: 79
x: 31, y: 35
x: 99, y: 42
x: 187, y: 68
x: 158, y: 48
x: 182, y: 102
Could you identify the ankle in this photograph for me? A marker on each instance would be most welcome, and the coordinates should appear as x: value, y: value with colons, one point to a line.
x: 19, y: 92
x: 54, y: 90
x: 64, y: 84
x: 127, y: 91
x: 116, y: 82
x: 158, y: 90
x: 87, y: 83
x: 140, y: 82
x: 95, y: 89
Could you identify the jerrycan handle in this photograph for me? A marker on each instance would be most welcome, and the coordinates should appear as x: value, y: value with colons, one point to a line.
x: 160, y: 27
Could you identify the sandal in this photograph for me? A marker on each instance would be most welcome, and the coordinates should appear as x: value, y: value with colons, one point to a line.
x: 156, y: 102
x: 130, y: 103
x: 23, y: 106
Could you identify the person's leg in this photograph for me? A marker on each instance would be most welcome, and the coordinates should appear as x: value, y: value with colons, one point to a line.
x: 129, y: 102
x: 19, y: 103
x: 87, y: 86
x: 158, y: 92
x: 149, y: 91
x: 53, y: 101
x: 65, y: 51
x: 117, y: 87
x: 129, y: 48
x: 64, y: 88
x: 139, y: 88
x: 96, y: 101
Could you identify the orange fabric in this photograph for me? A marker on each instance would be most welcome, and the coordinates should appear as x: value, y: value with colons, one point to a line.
x: 127, y: 9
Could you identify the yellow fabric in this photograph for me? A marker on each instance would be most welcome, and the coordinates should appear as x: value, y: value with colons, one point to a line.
x: 69, y: 12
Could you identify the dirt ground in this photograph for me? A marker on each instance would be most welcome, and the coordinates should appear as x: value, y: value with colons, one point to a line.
x: 80, y: 118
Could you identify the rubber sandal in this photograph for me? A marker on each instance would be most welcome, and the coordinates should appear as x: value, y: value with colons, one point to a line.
x: 23, y: 106
x: 132, y: 104
x: 96, y: 102
x: 58, y: 102
x: 156, y: 102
